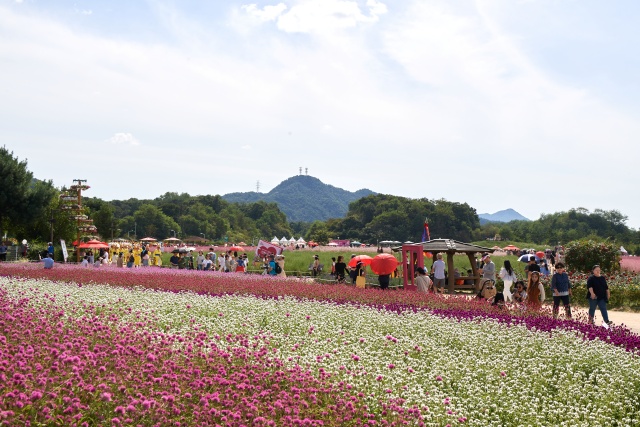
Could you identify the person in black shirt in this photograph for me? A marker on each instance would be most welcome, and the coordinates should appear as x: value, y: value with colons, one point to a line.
x: 341, y: 269
x: 532, y: 266
x: 598, y: 295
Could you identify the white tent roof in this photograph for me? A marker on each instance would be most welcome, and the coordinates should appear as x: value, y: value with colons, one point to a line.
x: 275, y: 240
x: 284, y: 239
x: 292, y: 240
x: 301, y: 240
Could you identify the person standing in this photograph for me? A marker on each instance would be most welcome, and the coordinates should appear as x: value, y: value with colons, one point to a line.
x: 488, y: 269
x: 508, y: 276
x: 341, y: 270
x: 50, y: 249
x: 272, y: 265
x: 535, y: 291
x: 280, y: 261
x: 438, y: 274
x: 532, y: 266
x: 598, y: 295
x: 315, y: 266
x: 3, y: 251
x: 200, y: 261
x: 561, y: 288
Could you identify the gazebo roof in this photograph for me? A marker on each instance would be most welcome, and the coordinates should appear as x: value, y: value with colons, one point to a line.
x: 449, y: 245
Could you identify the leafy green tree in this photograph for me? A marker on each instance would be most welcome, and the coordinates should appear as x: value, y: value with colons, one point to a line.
x: 318, y: 232
x: 23, y: 199
x: 149, y: 218
x: 103, y: 216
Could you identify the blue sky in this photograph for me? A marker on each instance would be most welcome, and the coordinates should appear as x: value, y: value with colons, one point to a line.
x: 530, y: 104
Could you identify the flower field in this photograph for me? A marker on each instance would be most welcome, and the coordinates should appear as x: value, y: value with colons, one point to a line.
x: 165, y: 347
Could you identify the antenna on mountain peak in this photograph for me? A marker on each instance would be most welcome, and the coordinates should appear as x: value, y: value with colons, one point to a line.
x: 258, y: 186
x: 300, y: 170
x: 306, y: 171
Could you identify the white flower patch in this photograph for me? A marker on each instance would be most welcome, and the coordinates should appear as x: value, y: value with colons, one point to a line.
x: 480, y: 373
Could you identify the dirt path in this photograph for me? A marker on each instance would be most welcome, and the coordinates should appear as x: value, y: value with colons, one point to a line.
x: 630, y: 320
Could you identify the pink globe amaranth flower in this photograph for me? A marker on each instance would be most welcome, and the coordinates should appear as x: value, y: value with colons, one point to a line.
x: 106, y: 396
x: 391, y: 366
x: 503, y: 373
x: 355, y: 357
x: 151, y: 357
x: 36, y: 395
x: 438, y: 378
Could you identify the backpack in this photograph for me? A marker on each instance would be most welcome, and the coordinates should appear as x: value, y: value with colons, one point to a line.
x: 488, y: 290
x: 277, y: 268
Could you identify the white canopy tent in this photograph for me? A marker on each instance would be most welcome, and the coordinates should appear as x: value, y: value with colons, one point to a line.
x: 275, y: 241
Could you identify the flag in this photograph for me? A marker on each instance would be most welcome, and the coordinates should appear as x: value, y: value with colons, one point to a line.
x: 265, y: 249
x: 426, y: 236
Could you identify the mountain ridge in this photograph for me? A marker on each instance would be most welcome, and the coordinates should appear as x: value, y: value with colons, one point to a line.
x: 505, y: 215
x: 304, y: 198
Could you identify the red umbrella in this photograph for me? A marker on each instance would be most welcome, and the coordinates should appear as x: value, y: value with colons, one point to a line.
x: 94, y: 244
x: 540, y: 254
x: 384, y: 264
x: 364, y: 259
x: 235, y: 249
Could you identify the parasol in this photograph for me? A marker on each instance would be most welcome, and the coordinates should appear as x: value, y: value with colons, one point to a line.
x: 364, y: 259
x: 93, y: 244
x: 383, y: 264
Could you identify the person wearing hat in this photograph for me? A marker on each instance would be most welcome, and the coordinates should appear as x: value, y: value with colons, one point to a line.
x: 280, y: 261
x: 315, y: 266
x: 598, y: 295
x: 488, y: 270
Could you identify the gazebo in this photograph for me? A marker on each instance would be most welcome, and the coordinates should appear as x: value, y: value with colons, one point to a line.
x: 412, y: 255
x: 275, y: 241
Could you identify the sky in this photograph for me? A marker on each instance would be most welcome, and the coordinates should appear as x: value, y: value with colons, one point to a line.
x: 523, y: 104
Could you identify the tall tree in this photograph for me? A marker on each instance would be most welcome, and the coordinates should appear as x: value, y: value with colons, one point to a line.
x: 23, y: 199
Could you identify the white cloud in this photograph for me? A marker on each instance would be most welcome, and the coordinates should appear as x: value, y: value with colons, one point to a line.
x: 311, y: 16
x: 123, y: 138
x: 268, y: 13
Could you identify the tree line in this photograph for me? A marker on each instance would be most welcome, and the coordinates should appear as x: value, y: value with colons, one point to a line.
x: 31, y: 210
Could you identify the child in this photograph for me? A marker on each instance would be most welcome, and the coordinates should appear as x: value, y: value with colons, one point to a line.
x: 561, y: 288
x: 520, y: 294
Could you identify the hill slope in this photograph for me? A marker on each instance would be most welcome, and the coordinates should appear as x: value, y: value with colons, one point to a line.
x: 506, y: 215
x: 304, y: 198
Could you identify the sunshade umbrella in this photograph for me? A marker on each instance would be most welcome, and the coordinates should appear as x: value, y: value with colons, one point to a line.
x: 179, y: 251
x: 384, y: 264
x: 236, y: 249
x: 526, y: 258
x: 364, y: 259
x: 540, y: 254
x: 94, y: 244
x: 172, y: 239
x: 510, y: 248
x: 148, y: 239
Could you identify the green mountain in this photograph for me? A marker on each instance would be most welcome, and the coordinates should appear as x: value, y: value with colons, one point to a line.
x: 304, y: 198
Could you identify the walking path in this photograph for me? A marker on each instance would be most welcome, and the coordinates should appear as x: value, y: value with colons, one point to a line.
x: 630, y: 320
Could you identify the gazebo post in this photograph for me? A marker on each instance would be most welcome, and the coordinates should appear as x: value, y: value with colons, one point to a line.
x: 474, y: 268
x: 450, y: 269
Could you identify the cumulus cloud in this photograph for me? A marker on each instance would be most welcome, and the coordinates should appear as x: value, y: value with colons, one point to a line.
x: 123, y: 138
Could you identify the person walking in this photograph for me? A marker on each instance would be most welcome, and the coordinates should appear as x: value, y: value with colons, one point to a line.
x: 508, y: 276
x: 280, y: 262
x: 561, y: 288
x: 598, y: 295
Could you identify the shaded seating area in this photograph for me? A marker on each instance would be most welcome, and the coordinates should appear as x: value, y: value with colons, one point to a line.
x: 413, y: 257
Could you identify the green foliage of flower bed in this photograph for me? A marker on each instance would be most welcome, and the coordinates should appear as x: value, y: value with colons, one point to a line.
x: 582, y: 255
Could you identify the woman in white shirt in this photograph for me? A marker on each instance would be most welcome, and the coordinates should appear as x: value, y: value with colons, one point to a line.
x: 508, y: 276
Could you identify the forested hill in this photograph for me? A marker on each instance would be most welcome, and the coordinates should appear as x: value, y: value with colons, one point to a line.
x: 304, y: 198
